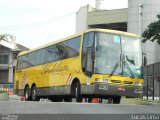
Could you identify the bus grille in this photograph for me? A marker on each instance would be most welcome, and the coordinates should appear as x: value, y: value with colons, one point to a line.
x: 115, y: 81
x: 127, y: 82
x: 119, y: 81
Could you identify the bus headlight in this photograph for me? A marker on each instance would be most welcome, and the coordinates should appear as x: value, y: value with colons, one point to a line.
x: 102, y: 80
x: 138, y: 84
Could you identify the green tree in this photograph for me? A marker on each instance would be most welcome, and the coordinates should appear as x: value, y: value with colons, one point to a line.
x: 6, y: 37
x: 2, y: 37
x: 152, y: 32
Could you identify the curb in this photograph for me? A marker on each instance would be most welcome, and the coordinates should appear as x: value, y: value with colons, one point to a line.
x: 148, y: 101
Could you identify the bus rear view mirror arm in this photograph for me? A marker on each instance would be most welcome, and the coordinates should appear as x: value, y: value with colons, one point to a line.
x: 144, y: 59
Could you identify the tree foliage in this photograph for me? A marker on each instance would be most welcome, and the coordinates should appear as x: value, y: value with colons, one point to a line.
x: 6, y: 37
x: 152, y: 32
x: 2, y: 37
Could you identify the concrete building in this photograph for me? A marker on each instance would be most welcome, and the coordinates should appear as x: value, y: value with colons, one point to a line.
x: 89, y: 17
x: 8, y: 54
x: 140, y: 14
x: 134, y: 19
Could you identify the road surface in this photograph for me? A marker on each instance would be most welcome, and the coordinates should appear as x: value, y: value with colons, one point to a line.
x: 25, y: 110
x: 29, y: 107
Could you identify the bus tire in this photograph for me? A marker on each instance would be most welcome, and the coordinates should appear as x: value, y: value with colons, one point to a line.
x: 26, y: 94
x: 34, y: 94
x: 68, y: 99
x: 100, y: 100
x: 89, y: 100
x: 116, y: 100
x: 78, y: 92
x: 57, y: 99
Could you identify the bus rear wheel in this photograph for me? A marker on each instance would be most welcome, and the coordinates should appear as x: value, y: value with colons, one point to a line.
x: 26, y: 94
x: 34, y: 94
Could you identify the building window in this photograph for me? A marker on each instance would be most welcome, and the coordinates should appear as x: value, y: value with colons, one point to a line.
x: 3, y: 76
x: 3, y: 59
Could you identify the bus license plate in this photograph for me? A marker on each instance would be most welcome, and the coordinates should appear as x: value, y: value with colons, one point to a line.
x: 103, y: 87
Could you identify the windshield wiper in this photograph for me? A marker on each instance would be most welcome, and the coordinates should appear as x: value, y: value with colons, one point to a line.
x: 129, y: 68
x: 114, y: 68
x: 123, y: 63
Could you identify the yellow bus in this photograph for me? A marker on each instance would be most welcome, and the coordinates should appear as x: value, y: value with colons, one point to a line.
x: 97, y: 63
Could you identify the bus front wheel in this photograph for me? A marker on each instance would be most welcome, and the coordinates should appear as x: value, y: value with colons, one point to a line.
x: 116, y: 100
x: 78, y: 93
x: 56, y: 99
x: 68, y: 99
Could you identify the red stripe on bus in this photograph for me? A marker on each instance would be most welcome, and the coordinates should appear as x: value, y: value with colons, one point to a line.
x: 68, y: 78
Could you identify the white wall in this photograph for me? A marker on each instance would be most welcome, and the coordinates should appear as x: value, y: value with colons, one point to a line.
x: 81, y: 19
x: 138, y: 23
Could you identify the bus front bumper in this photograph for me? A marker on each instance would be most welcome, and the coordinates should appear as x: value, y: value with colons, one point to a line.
x: 104, y: 89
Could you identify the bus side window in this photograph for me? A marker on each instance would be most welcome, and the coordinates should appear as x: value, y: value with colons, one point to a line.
x: 31, y: 60
x: 60, y: 52
x: 19, y: 63
x: 24, y: 61
x: 40, y: 56
x: 87, y: 43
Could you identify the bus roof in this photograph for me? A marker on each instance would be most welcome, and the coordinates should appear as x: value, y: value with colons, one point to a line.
x: 78, y: 34
x: 113, y: 32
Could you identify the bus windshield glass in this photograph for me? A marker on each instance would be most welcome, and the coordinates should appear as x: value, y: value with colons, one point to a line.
x: 118, y: 55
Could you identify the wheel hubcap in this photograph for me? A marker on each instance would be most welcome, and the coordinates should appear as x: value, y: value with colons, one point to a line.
x: 26, y: 95
x: 34, y: 94
x: 76, y: 92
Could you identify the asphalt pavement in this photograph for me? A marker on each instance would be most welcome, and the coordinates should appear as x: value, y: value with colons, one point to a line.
x: 128, y: 109
x: 30, y: 107
x: 46, y: 110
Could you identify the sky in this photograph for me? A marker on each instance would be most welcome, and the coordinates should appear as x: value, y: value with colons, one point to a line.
x: 37, y: 22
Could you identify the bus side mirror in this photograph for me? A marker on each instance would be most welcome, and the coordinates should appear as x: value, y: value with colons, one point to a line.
x: 144, y: 59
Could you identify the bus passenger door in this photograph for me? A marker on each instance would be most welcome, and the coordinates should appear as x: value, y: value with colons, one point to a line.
x: 89, y: 61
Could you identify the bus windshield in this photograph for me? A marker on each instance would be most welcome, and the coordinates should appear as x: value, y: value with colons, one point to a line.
x: 118, y: 55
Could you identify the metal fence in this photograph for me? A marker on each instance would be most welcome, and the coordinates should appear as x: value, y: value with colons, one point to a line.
x: 152, y: 81
x: 7, y: 87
